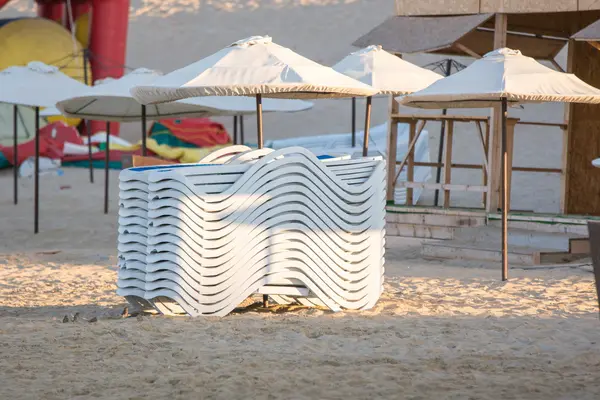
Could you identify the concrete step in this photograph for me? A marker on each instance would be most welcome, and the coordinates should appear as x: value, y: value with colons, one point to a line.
x: 435, y: 219
x: 492, y: 252
x: 563, y: 242
x: 419, y: 231
x: 543, y: 227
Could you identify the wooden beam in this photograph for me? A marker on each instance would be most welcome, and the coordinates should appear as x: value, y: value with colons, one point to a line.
x: 563, y: 125
x: 448, y: 161
x: 482, y: 139
x: 392, y: 140
x: 443, y: 186
x: 409, y: 151
x: 485, y: 176
x: 466, y: 50
x: 406, y: 118
x: 594, y: 44
x: 556, y: 65
x: 410, y: 171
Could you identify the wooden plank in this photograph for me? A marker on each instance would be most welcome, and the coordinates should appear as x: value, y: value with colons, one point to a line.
x: 448, y: 161
x: 534, y: 169
x: 536, y: 123
x: 398, y: 210
x: 594, y: 44
x: 411, y: 147
x: 556, y: 65
x: 392, y: 140
x: 405, y: 118
x: 482, y: 140
x: 443, y: 186
x: 466, y: 50
x: 441, y: 165
x: 486, y: 173
x: 582, y: 180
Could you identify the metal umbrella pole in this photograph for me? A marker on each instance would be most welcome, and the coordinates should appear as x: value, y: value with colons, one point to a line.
x: 36, y: 190
x: 367, y: 127
x: 242, y: 141
x: 353, y: 121
x: 85, y: 122
x: 106, y: 163
x: 15, y: 154
x: 235, y: 129
x: 144, y: 151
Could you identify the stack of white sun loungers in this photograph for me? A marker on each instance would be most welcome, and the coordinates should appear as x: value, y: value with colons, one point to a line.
x: 199, y: 239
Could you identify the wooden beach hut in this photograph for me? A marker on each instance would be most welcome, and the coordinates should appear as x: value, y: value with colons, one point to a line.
x: 473, y: 28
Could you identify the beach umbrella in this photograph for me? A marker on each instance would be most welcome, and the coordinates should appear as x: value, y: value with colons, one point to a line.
x: 500, y: 78
x: 111, y: 100
x: 385, y: 72
x: 35, y: 85
x: 252, y: 67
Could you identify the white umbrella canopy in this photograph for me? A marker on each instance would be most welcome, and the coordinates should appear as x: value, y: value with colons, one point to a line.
x: 249, y: 67
x: 503, y: 74
x: 385, y: 72
x: 502, y: 77
x: 37, y: 85
x: 111, y: 100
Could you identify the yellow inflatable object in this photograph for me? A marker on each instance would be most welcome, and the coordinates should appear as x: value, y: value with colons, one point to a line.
x: 36, y: 39
x: 82, y: 29
x: 181, y: 154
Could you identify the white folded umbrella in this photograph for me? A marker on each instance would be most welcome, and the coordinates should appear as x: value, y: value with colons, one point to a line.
x: 252, y: 67
x: 501, y: 77
x: 35, y: 85
x: 385, y: 72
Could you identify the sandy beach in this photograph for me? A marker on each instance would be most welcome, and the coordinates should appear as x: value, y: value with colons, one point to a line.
x: 450, y: 331
x: 440, y: 330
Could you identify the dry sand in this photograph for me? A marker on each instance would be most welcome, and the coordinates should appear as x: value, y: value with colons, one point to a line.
x: 439, y: 331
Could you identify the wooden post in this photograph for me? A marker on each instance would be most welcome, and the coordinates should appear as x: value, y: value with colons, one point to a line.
x: 505, y: 190
x: 448, y: 161
x: 392, y: 145
x: 410, y: 165
x: 259, y: 121
x: 493, y: 195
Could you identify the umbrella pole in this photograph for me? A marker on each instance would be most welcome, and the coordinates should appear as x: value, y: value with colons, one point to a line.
x: 85, y: 124
x: 15, y: 154
x: 259, y: 122
x: 36, y: 187
x: 353, y: 121
x: 367, y: 126
x: 242, y: 129
x: 504, y: 194
x: 235, y: 126
x: 144, y: 130
x: 106, y: 162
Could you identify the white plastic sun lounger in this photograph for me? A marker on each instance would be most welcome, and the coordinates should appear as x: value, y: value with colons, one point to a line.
x: 283, y: 223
